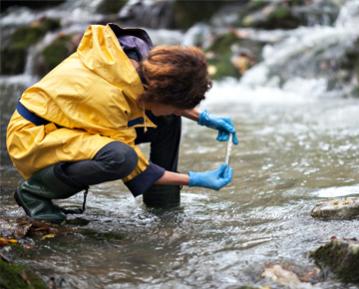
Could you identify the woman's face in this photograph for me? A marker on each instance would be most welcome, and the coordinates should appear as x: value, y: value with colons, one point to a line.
x: 159, y: 109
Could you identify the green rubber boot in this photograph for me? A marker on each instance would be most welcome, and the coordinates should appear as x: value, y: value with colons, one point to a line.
x: 35, y: 194
x: 163, y: 196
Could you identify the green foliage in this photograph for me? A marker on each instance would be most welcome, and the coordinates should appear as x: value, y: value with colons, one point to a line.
x: 15, y: 276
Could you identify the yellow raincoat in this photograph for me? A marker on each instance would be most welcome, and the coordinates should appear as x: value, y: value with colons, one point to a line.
x: 89, y: 100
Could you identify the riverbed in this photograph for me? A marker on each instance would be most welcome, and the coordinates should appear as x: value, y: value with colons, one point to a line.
x: 295, y: 149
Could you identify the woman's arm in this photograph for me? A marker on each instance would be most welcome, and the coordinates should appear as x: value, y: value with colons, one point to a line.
x: 192, y: 114
x: 214, y: 179
x: 172, y: 178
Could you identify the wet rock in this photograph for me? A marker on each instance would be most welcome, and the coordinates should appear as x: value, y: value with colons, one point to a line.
x: 31, y: 4
x: 110, y: 6
x: 220, y: 56
x: 340, y: 257
x: 272, y: 16
x: 346, y: 208
x: 16, y: 276
x: 21, y: 228
x: 186, y: 13
x: 350, y: 64
x: 150, y: 14
x: 9, y: 92
x: 15, y: 48
x: 60, y: 48
x: 285, y: 277
x: 242, y: 62
x: 319, y: 12
x: 231, y: 55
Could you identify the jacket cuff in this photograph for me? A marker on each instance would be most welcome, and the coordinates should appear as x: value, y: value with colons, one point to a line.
x: 143, y: 181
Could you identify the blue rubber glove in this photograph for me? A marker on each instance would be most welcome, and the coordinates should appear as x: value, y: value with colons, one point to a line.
x: 224, y: 126
x: 215, y: 179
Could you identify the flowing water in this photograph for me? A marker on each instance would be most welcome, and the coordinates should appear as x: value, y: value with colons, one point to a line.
x: 293, y: 152
x: 298, y: 145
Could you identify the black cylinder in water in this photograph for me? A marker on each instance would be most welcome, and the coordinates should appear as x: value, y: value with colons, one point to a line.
x: 163, y: 197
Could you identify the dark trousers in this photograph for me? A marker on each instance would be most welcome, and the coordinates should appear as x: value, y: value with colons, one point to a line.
x: 116, y: 160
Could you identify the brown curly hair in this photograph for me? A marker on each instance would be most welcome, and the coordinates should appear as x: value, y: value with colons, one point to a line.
x: 175, y: 75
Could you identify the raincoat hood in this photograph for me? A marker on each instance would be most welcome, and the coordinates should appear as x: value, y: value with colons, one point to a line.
x: 101, y: 52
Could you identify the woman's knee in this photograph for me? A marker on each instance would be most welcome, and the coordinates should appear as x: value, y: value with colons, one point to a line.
x: 118, y: 158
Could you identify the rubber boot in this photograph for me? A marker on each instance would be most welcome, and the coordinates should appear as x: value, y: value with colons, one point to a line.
x: 35, y: 194
x: 163, y: 196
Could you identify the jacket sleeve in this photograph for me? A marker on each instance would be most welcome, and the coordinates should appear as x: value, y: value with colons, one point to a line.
x: 144, y: 175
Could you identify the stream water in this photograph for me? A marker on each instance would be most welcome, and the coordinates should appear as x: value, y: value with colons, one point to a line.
x: 293, y: 152
x: 298, y: 144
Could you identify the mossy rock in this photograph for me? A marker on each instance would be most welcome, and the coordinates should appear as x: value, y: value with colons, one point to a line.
x: 222, y: 49
x: 188, y: 12
x: 31, y: 4
x: 111, y: 6
x: 55, y: 53
x: 222, y: 56
x: 355, y: 91
x: 272, y: 16
x: 350, y: 63
x: 252, y: 7
x: 14, y: 51
x: 341, y: 257
x: 16, y: 276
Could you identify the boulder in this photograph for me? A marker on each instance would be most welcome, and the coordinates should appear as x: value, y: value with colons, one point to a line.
x: 30, y: 4
x: 340, y: 257
x: 10, y: 92
x: 231, y: 55
x: 337, y: 209
x: 15, y: 48
x: 186, y: 13
x: 60, y: 48
x: 285, y: 277
x: 110, y: 6
x: 350, y: 64
x: 272, y: 16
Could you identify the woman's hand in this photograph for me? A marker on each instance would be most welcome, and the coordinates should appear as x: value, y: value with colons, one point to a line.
x: 224, y: 126
x: 215, y: 179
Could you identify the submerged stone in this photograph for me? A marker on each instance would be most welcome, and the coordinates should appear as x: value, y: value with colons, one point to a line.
x: 337, y: 209
x: 285, y: 277
x: 341, y: 257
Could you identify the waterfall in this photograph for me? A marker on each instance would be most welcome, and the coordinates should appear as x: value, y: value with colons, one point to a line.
x: 307, y: 53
